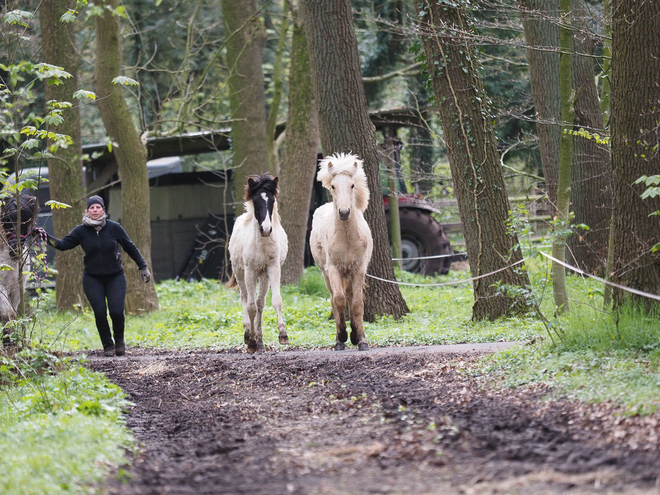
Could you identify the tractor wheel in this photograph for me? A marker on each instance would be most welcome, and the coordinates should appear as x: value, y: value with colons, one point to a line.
x: 422, y: 235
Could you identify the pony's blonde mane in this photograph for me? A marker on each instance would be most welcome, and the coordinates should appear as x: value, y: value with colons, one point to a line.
x: 345, y: 163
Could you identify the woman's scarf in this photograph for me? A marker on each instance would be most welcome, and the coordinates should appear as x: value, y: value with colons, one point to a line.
x: 96, y: 224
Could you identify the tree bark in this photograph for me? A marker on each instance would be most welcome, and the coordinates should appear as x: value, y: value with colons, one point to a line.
x: 541, y: 25
x: 591, y: 173
x: 298, y: 166
x: 65, y: 171
x: 245, y: 40
x: 562, y: 224
x: 635, y: 106
x: 473, y: 160
x: 345, y: 127
x: 131, y: 157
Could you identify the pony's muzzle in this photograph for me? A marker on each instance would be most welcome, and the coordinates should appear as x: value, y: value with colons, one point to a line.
x: 344, y: 214
x: 265, y: 232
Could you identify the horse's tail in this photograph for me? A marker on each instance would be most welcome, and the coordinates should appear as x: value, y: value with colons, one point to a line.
x: 232, y: 284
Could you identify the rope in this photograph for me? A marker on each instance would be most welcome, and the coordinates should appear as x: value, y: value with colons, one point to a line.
x: 456, y: 282
x: 622, y: 287
x: 429, y: 257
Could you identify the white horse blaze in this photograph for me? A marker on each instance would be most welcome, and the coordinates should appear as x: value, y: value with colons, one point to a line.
x: 267, y: 224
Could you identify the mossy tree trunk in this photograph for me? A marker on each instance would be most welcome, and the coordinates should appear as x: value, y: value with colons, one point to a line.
x: 541, y: 25
x: 245, y: 41
x: 65, y: 170
x: 562, y: 223
x: 298, y: 167
x: 591, y: 173
x: 634, y: 122
x: 345, y: 127
x: 473, y: 159
x: 131, y: 157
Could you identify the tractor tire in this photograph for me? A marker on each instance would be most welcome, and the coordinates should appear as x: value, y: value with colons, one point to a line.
x: 422, y: 235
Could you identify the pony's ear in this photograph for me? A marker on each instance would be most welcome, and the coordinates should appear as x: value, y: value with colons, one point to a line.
x: 276, y: 181
x: 330, y: 165
x: 355, y: 164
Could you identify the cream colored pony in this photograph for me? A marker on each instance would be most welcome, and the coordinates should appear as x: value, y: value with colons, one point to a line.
x: 341, y: 242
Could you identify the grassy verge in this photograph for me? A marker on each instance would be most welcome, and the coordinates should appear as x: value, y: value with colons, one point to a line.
x: 61, y: 428
x: 207, y: 315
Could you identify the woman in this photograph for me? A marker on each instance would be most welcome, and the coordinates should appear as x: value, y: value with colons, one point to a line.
x: 103, y: 274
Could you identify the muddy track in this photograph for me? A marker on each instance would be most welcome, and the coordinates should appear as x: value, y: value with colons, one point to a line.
x: 384, y: 421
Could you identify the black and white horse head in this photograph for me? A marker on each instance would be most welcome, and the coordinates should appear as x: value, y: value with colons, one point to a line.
x: 262, y: 191
x: 27, y: 208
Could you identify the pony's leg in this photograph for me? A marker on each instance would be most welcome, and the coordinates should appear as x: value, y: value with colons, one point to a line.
x: 349, y: 310
x: 261, y: 303
x: 274, y: 273
x: 338, y: 306
x: 8, y: 283
x: 357, y: 313
x: 239, y: 275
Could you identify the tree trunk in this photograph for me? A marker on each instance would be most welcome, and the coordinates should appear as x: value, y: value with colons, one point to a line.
x: 298, y: 166
x: 271, y: 122
x: 541, y: 25
x: 345, y: 127
x: 474, y: 161
x: 65, y: 171
x: 245, y: 40
x: 591, y: 173
x: 131, y: 157
x: 562, y: 224
x: 635, y: 115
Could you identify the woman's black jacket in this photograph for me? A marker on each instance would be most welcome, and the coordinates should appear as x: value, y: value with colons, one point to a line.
x: 102, y: 255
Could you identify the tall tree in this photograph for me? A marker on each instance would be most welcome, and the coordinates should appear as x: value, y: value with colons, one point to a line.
x: 541, y: 25
x: 65, y: 170
x: 131, y: 154
x: 298, y: 166
x: 591, y: 172
x: 345, y: 127
x: 473, y: 158
x: 566, y: 97
x: 245, y: 37
x: 635, y: 106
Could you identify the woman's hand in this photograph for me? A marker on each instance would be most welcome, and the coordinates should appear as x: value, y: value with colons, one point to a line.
x: 146, y: 276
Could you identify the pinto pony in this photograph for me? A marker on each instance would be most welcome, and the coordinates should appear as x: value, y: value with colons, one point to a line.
x: 257, y: 250
x: 27, y: 208
x: 341, y: 242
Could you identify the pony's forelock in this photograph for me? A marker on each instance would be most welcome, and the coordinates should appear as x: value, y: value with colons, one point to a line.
x: 265, y: 182
x: 344, y: 163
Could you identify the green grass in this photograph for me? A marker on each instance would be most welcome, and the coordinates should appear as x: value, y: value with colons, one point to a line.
x: 59, y: 432
x: 207, y: 315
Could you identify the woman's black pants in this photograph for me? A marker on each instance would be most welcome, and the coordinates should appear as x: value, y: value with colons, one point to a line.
x: 112, y: 288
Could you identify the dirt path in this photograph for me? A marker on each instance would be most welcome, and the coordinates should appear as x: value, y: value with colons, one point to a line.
x: 400, y: 420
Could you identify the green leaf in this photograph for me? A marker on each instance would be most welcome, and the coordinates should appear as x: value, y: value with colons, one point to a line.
x: 58, y: 104
x: 54, y: 118
x: 69, y: 16
x: 81, y: 93
x: 57, y: 205
x: 126, y: 81
x: 18, y: 17
x: 30, y: 143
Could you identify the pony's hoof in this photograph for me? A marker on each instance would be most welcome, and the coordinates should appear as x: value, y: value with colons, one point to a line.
x: 339, y: 346
x: 363, y: 346
x: 260, y: 347
x: 354, y: 338
x: 284, y: 340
